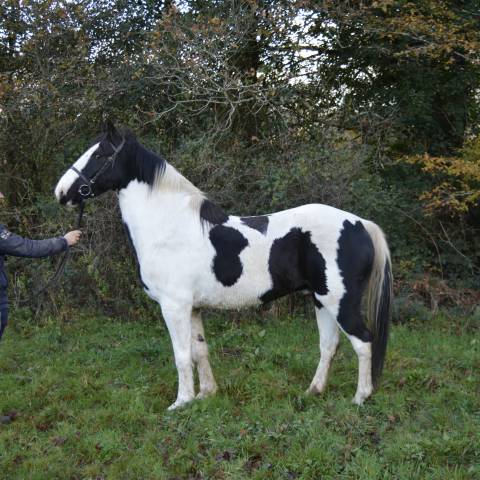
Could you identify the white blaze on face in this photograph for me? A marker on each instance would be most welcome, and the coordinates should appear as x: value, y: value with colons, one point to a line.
x: 64, y: 184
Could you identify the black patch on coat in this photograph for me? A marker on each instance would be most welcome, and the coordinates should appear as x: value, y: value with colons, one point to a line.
x: 228, y: 244
x: 259, y: 223
x: 295, y: 264
x: 355, y: 260
x: 211, y: 213
x: 132, y: 246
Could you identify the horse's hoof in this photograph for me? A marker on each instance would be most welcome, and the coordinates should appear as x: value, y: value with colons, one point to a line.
x: 206, y: 393
x: 359, y: 398
x: 178, y: 404
x: 314, y: 390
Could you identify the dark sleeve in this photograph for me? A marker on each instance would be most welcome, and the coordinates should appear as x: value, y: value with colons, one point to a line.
x: 15, y: 245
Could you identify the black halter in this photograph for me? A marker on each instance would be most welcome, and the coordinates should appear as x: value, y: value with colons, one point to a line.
x: 85, y: 190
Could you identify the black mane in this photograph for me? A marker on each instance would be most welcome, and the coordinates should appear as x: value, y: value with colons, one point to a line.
x: 148, y: 165
x: 143, y: 164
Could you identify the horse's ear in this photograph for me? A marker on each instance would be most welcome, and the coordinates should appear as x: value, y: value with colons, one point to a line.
x: 107, y: 126
x: 112, y: 133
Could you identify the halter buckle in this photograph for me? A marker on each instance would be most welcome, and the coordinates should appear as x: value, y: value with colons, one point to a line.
x: 85, y: 190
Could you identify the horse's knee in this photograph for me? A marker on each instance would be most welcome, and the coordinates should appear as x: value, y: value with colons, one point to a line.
x: 183, y: 360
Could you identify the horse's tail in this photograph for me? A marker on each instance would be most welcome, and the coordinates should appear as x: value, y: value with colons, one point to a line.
x: 379, y: 298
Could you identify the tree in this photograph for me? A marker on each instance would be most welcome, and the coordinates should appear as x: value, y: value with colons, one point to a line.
x: 413, y: 64
x: 457, y: 187
x: 63, y: 65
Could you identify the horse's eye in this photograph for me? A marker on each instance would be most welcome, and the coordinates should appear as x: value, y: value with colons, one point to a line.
x: 97, y: 156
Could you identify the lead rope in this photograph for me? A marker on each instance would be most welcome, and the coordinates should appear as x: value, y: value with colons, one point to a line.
x: 61, y: 264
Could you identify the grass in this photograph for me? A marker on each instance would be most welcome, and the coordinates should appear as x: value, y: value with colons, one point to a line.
x: 91, y: 398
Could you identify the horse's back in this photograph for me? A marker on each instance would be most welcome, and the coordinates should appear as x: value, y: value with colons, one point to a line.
x: 318, y: 213
x: 290, y: 250
x: 322, y: 222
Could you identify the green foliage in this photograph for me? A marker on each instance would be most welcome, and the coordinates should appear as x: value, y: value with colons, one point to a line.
x: 91, y: 394
x: 407, y: 229
x: 264, y: 105
x: 413, y: 64
x: 273, y: 175
x: 457, y: 189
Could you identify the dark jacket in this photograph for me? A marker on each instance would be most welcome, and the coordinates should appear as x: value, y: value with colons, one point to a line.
x: 15, y: 245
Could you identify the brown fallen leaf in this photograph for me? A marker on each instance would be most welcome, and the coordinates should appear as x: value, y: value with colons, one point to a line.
x: 58, y: 441
x: 226, y: 456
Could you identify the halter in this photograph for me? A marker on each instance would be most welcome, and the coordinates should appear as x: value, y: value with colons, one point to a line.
x: 85, y: 190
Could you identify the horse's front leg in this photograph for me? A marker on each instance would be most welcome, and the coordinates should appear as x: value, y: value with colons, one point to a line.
x: 178, y: 320
x: 208, y: 386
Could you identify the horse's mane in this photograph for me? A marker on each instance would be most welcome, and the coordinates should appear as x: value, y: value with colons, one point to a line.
x: 154, y: 170
x: 168, y: 178
x: 149, y: 166
x: 162, y: 176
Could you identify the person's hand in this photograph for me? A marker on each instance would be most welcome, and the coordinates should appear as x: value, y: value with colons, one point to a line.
x: 73, y: 237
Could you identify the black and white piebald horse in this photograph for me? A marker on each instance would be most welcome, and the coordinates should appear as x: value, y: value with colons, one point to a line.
x: 191, y: 254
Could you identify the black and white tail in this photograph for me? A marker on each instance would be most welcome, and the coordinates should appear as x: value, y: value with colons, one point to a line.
x: 379, y: 299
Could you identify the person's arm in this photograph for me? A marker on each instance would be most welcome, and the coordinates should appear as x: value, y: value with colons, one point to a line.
x: 15, y: 245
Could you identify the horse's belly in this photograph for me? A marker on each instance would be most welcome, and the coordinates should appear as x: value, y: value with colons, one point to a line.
x: 227, y: 302
x: 245, y: 292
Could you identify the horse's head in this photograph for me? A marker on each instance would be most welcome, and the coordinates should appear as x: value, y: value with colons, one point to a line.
x: 101, y: 168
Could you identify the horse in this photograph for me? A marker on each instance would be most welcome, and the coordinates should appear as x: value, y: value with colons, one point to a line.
x: 191, y: 254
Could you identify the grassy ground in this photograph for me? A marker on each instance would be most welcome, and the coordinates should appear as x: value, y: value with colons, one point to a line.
x: 91, y: 399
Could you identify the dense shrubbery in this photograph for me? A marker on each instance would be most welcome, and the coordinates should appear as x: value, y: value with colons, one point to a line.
x: 244, y: 180
x: 222, y: 92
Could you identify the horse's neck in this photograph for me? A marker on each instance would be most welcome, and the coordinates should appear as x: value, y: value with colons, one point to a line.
x: 161, y: 212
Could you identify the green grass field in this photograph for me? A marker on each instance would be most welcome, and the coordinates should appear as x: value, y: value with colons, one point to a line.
x: 91, y: 399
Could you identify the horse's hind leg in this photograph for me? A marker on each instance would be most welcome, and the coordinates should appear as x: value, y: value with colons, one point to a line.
x: 328, y: 331
x: 364, y: 354
x: 350, y: 319
x: 208, y: 386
